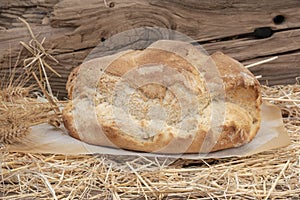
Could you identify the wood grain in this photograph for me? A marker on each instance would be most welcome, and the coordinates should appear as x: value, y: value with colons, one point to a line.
x: 73, y: 28
x: 285, y: 67
x: 249, y: 48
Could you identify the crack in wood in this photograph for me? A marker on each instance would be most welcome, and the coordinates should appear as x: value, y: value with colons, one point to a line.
x: 275, y: 54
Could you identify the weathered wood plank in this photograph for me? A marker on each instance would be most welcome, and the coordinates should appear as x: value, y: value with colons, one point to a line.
x: 284, y: 70
x: 200, y: 20
x: 73, y: 28
x: 36, y: 12
x: 250, y: 48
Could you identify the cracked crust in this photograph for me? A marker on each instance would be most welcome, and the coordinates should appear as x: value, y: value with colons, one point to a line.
x: 242, y: 106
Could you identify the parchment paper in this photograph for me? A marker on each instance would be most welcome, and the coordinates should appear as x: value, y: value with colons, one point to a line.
x: 47, y: 139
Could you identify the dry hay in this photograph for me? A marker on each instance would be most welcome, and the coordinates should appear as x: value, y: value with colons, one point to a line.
x: 273, y: 174
x: 269, y: 175
x: 19, y: 107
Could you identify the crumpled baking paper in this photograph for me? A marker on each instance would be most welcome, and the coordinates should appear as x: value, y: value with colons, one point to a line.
x: 47, y: 139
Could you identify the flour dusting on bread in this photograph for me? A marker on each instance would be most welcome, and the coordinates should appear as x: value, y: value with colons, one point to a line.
x: 155, y: 101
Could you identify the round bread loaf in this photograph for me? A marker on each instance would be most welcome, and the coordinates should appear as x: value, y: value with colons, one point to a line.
x: 155, y: 100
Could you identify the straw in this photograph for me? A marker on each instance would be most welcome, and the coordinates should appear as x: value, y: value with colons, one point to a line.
x: 261, y: 62
x: 272, y: 174
x: 19, y: 108
x: 39, y: 54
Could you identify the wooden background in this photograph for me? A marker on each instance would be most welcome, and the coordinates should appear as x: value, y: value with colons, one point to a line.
x: 73, y: 28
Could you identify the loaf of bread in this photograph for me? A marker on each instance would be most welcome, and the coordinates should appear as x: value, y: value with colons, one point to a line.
x: 158, y: 100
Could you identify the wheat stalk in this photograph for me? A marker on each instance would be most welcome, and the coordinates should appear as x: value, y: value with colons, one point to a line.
x: 18, y: 111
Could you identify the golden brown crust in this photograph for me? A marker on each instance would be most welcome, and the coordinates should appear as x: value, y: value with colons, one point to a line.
x: 233, y: 135
x: 69, y: 121
x: 242, y: 88
x: 241, y: 124
x: 70, y: 82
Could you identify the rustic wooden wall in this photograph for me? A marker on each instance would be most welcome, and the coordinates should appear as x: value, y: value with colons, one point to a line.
x: 73, y: 28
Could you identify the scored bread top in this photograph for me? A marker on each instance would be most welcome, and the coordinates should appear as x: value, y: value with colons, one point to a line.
x: 170, y: 112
